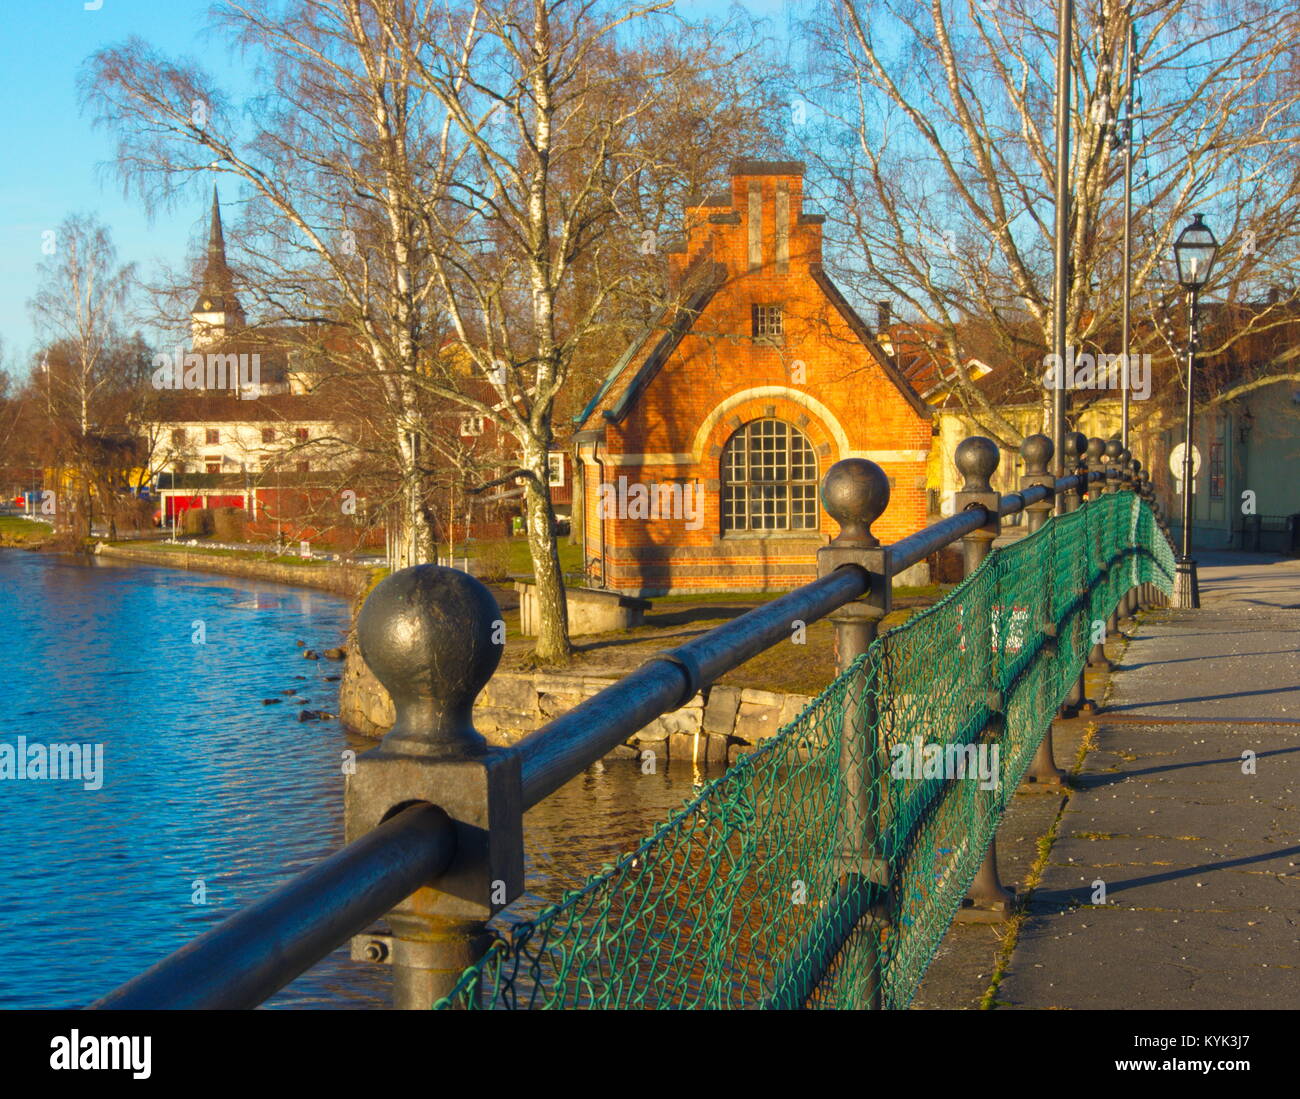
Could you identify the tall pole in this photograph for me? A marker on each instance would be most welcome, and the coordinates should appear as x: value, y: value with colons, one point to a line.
x: 1186, y: 589
x: 1065, y: 22
x: 1129, y: 44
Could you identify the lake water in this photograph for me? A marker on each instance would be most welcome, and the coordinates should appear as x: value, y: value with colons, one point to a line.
x: 168, y: 671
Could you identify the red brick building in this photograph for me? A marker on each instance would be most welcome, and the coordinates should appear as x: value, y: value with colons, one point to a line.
x: 702, y: 453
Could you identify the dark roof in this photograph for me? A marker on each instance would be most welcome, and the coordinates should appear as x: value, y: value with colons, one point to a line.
x: 622, y: 386
x: 768, y: 168
x: 197, y: 407
x: 863, y: 333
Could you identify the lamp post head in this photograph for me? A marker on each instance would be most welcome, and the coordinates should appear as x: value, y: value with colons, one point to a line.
x: 1194, y: 253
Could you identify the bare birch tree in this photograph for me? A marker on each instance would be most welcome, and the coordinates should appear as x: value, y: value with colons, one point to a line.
x: 416, y: 172
x: 77, y: 308
x: 335, y: 157
x: 552, y: 108
x: 936, y: 139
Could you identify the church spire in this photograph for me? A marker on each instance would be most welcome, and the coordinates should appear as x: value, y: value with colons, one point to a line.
x: 216, y: 239
x: 217, y: 311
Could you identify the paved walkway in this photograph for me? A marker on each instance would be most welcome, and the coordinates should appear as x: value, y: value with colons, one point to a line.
x: 1200, y: 861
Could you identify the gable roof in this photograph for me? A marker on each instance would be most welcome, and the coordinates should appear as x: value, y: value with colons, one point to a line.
x: 859, y: 328
x: 622, y: 385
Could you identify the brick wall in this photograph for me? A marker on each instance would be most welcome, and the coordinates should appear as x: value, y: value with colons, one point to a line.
x: 818, y: 377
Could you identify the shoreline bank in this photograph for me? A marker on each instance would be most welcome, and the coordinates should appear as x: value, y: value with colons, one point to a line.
x: 345, y: 580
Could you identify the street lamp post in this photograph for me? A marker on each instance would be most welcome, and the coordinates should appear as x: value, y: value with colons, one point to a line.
x: 1061, y: 235
x: 1194, y: 253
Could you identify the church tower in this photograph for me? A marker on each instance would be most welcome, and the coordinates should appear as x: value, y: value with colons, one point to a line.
x: 217, y: 314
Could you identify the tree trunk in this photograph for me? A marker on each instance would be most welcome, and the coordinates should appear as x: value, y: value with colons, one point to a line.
x: 552, y: 608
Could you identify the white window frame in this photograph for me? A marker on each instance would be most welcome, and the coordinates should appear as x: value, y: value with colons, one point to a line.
x: 555, y: 469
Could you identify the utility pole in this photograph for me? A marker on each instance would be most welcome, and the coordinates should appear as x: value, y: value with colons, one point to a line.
x: 1065, y: 22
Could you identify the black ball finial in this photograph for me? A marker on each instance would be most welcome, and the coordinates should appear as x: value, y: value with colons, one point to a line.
x: 433, y: 637
x: 1076, y: 446
x: 977, y: 460
x: 1096, y: 448
x: 1137, y: 468
x: 855, y: 493
x: 1037, y: 451
x: 1114, y: 448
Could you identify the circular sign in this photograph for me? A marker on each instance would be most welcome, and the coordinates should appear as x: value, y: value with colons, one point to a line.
x: 1176, y: 461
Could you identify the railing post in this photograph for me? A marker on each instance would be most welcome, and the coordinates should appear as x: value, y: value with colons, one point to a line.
x: 433, y: 637
x: 1147, y: 492
x: 1096, y: 464
x: 1096, y: 453
x: 1074, y: 457
x: 1113, y: 448
x: 1114, y: 475
x: 1128, y: 601
x: 1037, y: 453
x: 1077, y: 450
x: 1137, y: 593
x: 855, y: 493
x: 977, y: 460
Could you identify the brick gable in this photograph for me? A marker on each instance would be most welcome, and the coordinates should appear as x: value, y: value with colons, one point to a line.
x: 668, y: 409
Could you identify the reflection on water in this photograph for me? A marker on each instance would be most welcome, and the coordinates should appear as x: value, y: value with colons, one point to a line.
x: 203, y: 780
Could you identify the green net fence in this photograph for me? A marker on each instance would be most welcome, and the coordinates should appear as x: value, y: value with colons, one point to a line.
x: 824, y: 868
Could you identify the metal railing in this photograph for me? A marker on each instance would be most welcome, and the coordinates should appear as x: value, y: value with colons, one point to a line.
x: 434, y: 816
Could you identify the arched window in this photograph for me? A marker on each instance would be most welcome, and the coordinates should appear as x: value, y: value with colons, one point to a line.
x: 769, y: 479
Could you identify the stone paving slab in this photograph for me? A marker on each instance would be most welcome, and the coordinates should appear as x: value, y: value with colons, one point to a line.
x: 1201, y: 861
x: 1118, y: 958
x: 1160, y: 887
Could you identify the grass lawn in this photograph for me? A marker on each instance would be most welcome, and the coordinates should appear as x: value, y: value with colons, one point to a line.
x: 512, y: 556
x: 17, y: 531
x: 803, y: 665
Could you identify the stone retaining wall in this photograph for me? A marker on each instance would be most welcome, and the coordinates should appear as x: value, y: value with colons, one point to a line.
x: 513, y: 704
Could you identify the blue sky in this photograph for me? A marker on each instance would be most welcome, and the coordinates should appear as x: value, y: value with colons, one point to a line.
x: 54, y: 158
x: 56, y: 161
